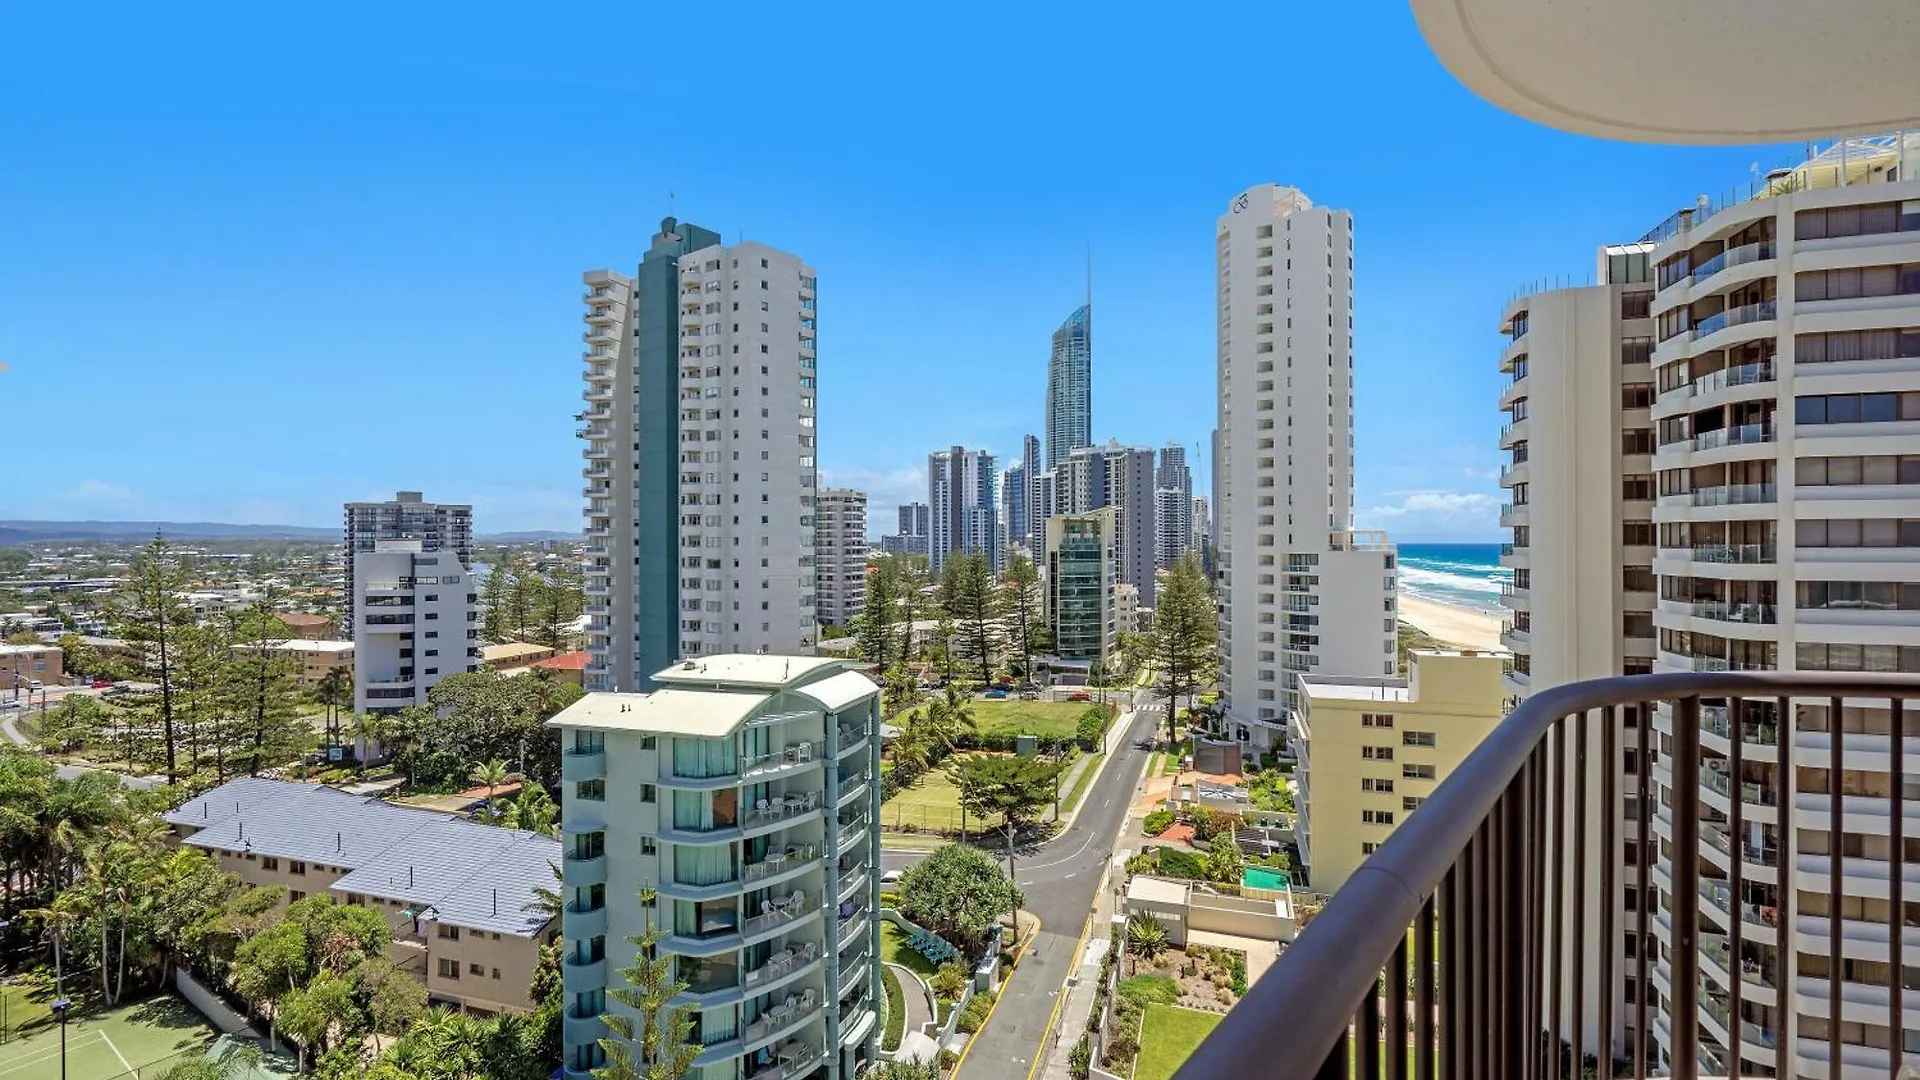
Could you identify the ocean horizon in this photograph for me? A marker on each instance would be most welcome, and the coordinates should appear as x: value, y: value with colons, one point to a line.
x: 1464, y: 575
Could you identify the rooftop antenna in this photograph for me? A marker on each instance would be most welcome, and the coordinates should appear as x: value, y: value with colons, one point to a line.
x: 1089, y: 280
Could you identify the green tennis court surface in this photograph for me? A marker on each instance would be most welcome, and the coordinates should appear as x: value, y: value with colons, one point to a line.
x: 134, y: 1042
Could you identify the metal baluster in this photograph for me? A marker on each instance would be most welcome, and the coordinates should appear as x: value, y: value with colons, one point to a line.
x: 1366, y: 1037
x: 1451, y: 985
x: 1609, y: 894
x: 1559, y: 897
x: 1426, y: 1041
x: 1783, y: 823
x: 1684, y: 1003
x: 1643, y: 816
x: 1736, y: 848
x: 1396, y: 1020
x: 1482, y: 950
x: 1535, y: 906
x: 1896, y: 1018
x: 1579, y: 893
x: 1835, y: 833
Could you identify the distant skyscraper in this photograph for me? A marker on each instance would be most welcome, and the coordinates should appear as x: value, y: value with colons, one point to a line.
x: 1070, y: 386
x: 1094, y: 477
x: 1034, y: 515
x: 409, y: 598
x: 670, y: 478
x: 1173, y: 506
x: 914, y: 519
x: 1013, y: 502
x: 961, y: 493
x: 840, y: 554
x: 1294, y: 573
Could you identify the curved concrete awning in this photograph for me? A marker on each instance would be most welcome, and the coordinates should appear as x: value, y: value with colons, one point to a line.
x: 1688, y: 71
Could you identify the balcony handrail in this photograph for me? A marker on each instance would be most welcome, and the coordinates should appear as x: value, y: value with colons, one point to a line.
x: 1458, y: 870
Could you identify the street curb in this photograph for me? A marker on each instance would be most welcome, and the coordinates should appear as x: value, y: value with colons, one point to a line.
x: 1115, y: 736
x: 1019, y: 954
x: 1060, y: 1000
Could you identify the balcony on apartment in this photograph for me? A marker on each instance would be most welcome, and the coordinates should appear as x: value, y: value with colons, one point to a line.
x: 1441, y: 957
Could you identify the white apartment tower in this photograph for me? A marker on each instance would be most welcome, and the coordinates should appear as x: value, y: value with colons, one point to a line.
x: 1301, y: 592
x: 410, y: 595
x: 1764, y: 513
x: 745, y: 793
x: 701, y: 456
x: 841, y: 553
x: 962, y: 488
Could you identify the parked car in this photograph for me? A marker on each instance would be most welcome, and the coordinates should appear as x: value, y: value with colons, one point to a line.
x: 100, y: 684
x: 34, y: 684
x: 1029, y: 695
x: 891, y: 877
x: 1079, y: 695
x: 996, y: 692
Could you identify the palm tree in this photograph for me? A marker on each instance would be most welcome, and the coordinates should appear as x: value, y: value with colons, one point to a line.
x: 335, y: 689
x: 533, y: 810
x: 492, y: 774
x: 370, y: 730
x: 950, y: 716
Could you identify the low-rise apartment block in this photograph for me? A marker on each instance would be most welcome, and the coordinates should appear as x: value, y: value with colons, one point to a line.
x: 23, y: 665
x: 1371, y: 750
x: 459, y: 896
x: 318, y: 658
x: 745, y: 793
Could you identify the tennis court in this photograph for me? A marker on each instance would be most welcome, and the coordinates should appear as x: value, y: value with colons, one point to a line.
x: 134, y: 1042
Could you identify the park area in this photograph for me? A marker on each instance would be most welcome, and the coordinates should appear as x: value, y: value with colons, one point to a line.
x: 141, y: 1041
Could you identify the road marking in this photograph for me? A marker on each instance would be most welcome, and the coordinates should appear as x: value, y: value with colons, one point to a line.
x: 1019, y: 954
x: 124, y: 1063
x: 1059, y: 999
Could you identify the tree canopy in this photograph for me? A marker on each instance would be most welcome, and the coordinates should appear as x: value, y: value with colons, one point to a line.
x: 959, y: 893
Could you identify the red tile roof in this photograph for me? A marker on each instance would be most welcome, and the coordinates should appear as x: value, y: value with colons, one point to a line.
x: 572, y: 661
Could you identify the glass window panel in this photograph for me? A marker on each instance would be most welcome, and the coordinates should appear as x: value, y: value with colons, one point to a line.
x: 1810, y: 410
x: 1879, y: 532
x: 1879, y: 408
x: 1880, y: 469
x: 1811, y: 472
x: 1843, y: 470
x: 1810, y: 533
x: 1843, y: 409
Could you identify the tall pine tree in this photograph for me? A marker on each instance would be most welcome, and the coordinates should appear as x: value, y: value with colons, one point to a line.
x: 151, y: 614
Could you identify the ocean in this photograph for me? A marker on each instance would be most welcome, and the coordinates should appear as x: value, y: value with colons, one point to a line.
x: 1465, y: 575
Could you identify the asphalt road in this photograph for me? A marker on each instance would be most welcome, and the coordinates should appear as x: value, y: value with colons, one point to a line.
x: 9, y: 714
x: 1059, y: 878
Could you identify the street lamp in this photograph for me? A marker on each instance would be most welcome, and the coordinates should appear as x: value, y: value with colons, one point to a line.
x: 60, y: 1008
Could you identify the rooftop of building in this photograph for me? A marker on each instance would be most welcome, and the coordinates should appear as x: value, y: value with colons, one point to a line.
x: 22, y: 650
x: 514, y: 650
x: 471, y: 875
x: 760, y: 670
x: 315, y: 645
x: 714, y: 710
x: 567, y: 661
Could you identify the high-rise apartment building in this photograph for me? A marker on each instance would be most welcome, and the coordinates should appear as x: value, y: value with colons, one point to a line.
x: 1173, y: 506
x: 1070, y: 386
x: 414, y: 623
x: 701, y: 457
x: 961, y: 487
x: 1121, y: 477
x: 1743, y: 389
x: 1301, y: 592
x: 407, y: 516
x: 1081, y: 559
x: 915, y: 520
x: 840, y: 551
x: 1013, y: 505
x: 1033, y: 505
x: 745, y: 793
x: 409, y: 595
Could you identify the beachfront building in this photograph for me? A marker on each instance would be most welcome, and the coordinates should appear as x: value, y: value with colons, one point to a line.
x: 461, y: 897
x: 1744, y: 383
x: 1301, y: 592
x: 699, y: 438
x: 414, y: 623
x: 1080, y: 577
x: 745, y: 793
x: 1372, y: 749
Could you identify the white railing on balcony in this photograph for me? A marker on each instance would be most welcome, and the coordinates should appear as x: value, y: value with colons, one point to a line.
x: 1734, y: 317
x: 792, y: 958
x: 774, y: 865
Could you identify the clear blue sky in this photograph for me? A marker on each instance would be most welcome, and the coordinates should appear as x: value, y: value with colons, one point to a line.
x: 256, y: 265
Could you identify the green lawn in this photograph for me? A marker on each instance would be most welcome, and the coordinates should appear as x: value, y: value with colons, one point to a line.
x: 894, y: 950
x: 1047, y: 719
x: 1168, y: 1034
x: 932, y: 802
x: 1074, y: 794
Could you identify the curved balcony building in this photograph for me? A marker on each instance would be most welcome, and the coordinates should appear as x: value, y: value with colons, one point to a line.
x: 734, y: 812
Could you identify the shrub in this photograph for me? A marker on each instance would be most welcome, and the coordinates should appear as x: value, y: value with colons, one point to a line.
x: 948, y: 1059
x: 1147, y: 862
x: 1181, y: 864
x: 896, y: 1011
x: 1157, y: 822
x: 949, y: 981
x: 1092, y: 725
x: 1080, y: 1060
x: 974, y: 1016
x: 1124, y: 1045
x: 1144, y: 990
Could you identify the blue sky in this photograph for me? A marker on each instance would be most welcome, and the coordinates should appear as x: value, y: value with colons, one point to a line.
x: 257, y: 264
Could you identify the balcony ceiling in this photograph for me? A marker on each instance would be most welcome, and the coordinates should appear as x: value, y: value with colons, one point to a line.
x: 1687, y: 71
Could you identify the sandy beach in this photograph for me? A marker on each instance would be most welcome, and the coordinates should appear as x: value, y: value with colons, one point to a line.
x: 1464, y: 627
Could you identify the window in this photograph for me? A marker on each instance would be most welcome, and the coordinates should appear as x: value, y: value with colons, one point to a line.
x: 268, y: 862
x: 1368, y: 847
x: 476, y: 969
x: 1879, y: 408
x: 445, y: 932
x: 591, y: 790
x: 647, y: 793
x: 646, y: 845
x: 1376, y: 720
x: 1416, y: 772
x: 1410, y: 803
x: 1376, y: 817
x: 1866, y: 220
x: 1635, y: 305
x: 1858, y: 595
x: 1858, y: 532
x: 1872, y: 469
x: 1368, y: 783
x: 297, y: 867
x: 1377, y: 753
x: 1853, y: 282
x: 1636, y: 533
x: 449, y: 969
x: 1416, y: 738
x: 294, y: 896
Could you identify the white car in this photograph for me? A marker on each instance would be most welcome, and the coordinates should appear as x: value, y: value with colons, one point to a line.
x: 891, y: 877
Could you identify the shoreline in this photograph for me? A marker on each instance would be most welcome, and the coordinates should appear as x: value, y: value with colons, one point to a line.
x: 1459, y: 626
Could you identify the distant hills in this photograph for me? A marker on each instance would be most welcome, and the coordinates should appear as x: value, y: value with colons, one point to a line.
x: 41, y: 532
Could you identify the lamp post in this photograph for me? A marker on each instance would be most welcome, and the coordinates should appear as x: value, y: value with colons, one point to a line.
x: 60, y: 1008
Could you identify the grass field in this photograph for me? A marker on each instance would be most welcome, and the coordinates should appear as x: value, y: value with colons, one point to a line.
x: 136, y: 1042
x: 931, y: 803
x: 894, y: 950
x: 1047, y: 719
x: 1168, y: 1034
x: 1072, y: 796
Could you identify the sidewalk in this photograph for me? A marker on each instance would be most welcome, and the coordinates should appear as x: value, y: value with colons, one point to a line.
x: 1070, y: 1022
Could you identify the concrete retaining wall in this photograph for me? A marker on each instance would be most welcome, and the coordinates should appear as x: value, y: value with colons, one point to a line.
x: 217, y: 1012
